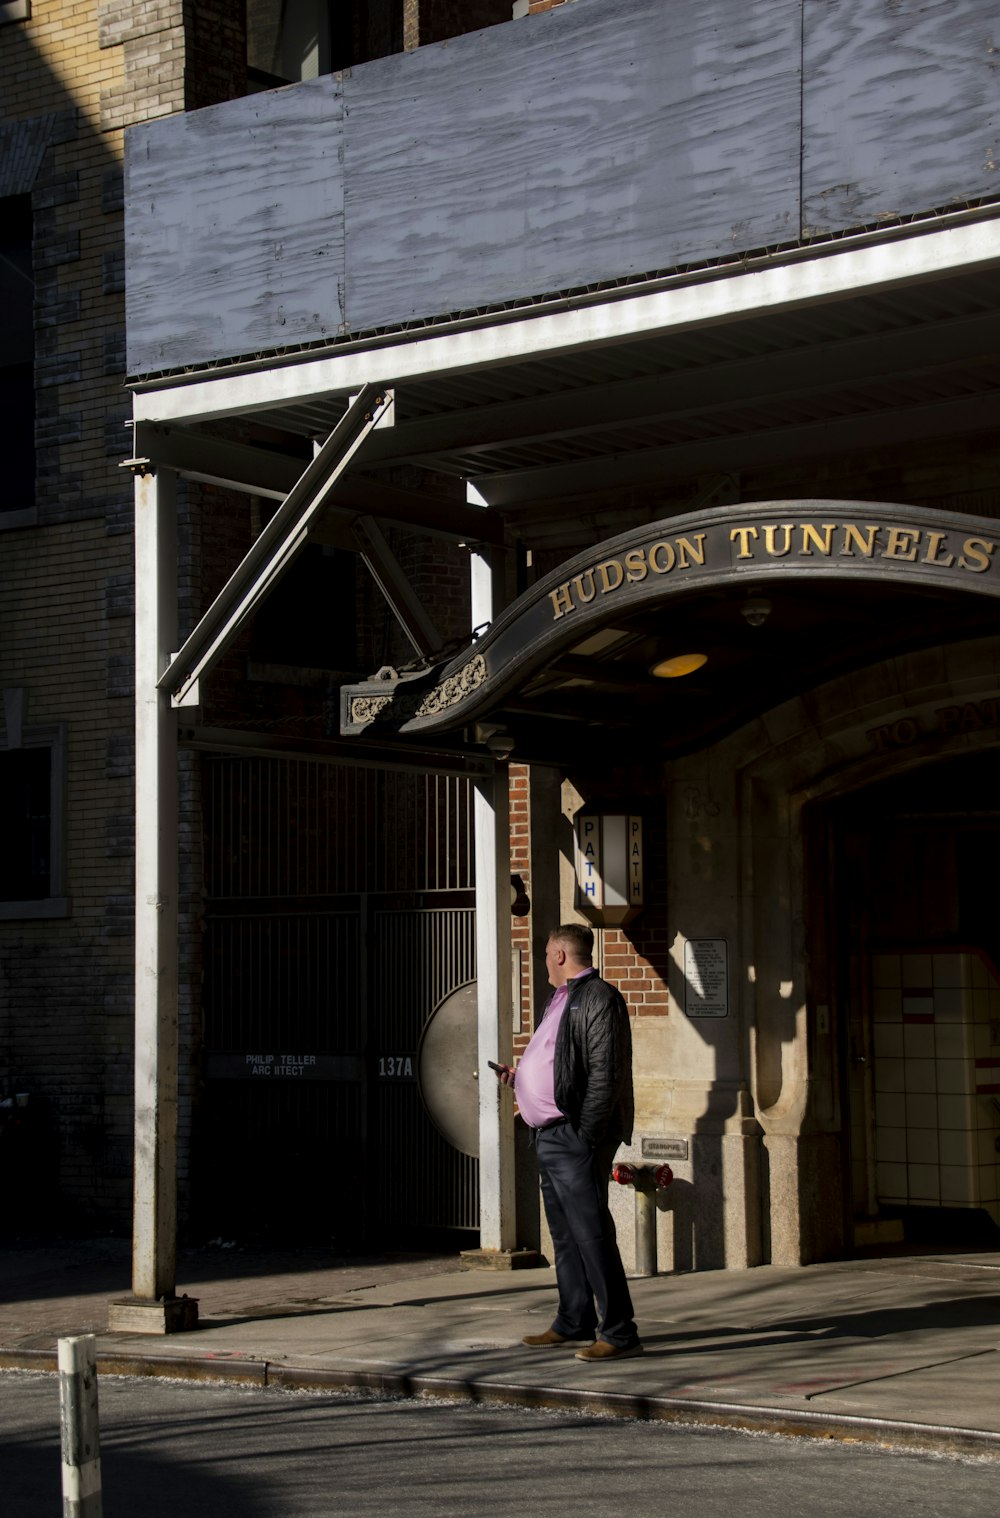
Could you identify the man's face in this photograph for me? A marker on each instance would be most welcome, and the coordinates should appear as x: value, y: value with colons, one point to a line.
x: 555, y: 962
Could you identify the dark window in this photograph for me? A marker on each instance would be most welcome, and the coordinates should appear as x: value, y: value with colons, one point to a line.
x: 289, y: 40
x: 25, y: 859
x: 17, y: 356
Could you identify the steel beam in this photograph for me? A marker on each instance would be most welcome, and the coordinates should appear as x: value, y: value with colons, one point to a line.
x: 276, y: 548
x: 403, y: 601
x: 578, y: 411
x: 538, y: 489
x: 263, y: 472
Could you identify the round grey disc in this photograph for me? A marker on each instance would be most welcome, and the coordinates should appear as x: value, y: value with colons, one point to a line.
x: 447, y: 1058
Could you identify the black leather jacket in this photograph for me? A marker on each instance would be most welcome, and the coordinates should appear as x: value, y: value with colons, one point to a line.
x: 593, y: 1062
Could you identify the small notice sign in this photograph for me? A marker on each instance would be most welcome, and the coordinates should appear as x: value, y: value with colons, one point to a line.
x: 706, y: 977
x: 664, y: 1149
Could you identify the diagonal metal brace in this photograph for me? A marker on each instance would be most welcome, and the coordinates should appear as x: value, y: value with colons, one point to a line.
x: 277, y: 546
x: 388, y: 575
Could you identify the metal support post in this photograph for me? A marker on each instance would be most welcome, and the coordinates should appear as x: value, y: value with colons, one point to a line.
x: 79, y: 1426
x: 494, y: 958
x: 153, y: 1307
x: 497, y: 1219
x: 645, y: 1232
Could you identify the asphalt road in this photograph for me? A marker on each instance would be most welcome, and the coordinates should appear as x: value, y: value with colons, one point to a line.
x: 171, y: 1450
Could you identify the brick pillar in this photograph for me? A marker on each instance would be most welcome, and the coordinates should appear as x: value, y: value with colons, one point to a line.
x: 434, y: 20
x: 520, y: 866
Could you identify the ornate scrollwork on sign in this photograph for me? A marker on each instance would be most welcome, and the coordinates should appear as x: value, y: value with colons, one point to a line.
x: 404, y: 704
x: 367, y: 708
x: 455, y: 689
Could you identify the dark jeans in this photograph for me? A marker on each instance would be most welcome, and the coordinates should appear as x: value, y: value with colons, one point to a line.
x: 588, y: 1266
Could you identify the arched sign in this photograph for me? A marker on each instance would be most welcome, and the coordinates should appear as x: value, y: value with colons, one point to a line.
x: 682, y: 556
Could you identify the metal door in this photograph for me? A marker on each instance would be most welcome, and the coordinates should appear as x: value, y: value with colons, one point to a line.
x: 418, y: 958
x: 339, y: 912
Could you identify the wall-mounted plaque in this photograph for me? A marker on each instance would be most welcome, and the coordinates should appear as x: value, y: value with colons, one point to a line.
x: 664, y: 1149
x: 706, y: 977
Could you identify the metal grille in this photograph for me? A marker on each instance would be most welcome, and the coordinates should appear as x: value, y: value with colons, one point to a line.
x: 284, y: 981
x: 303, y: 956
x: 419, y: 958
x: 296, y: 828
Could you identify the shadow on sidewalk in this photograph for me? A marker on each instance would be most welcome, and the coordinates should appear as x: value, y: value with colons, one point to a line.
x: 33, y: 1270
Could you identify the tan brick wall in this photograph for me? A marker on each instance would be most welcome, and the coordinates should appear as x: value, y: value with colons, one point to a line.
x: 65, y: 585
x: 73, y: 76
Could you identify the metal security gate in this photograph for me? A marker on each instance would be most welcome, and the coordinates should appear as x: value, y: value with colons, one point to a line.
x: 339, y: 912
x: 419, y: 958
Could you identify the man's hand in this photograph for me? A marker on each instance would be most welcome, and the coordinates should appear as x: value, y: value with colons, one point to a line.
x: 504, y: 1073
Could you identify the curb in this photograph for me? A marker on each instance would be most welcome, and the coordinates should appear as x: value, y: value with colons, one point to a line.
x: 847, y: 1429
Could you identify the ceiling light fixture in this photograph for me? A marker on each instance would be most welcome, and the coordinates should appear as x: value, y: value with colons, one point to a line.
x: 680, y: 664
x: 757, y: 611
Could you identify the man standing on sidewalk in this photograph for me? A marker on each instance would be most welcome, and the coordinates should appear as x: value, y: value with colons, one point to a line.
x: 574, y: 1090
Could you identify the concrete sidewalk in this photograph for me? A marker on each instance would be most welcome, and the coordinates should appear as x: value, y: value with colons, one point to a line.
x: 901, y: 1351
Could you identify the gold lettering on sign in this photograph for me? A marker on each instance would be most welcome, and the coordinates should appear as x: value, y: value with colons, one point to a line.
x: 770, y: 539
x: 976, y: 555
x: 934, y: 541
x: 903, y: 543
x: 852, y: 535
x: 689, y: 553
x: 635, y: 565
x: 823, y: 541
x: 591, y: 591
x: 755, y: 542
x: 669, y: 557
x: 742, y: 535
x: 604, y: 570
x: 562, y: 601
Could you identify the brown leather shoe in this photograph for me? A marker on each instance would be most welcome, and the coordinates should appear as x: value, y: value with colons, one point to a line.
x: 548, y: 1340
x: 602, y: 1350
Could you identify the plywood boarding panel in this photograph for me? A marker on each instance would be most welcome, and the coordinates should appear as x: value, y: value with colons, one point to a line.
x: 601, y: 139
x: 901, y: 108
x: 235, y: 228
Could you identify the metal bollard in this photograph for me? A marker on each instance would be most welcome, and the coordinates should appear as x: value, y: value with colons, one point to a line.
x: 81, y: 1450
x: 647, y: 1182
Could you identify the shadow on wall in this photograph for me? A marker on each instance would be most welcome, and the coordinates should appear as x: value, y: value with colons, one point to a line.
x: 696, y: 1199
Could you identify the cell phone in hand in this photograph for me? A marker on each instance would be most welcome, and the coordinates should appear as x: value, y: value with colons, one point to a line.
x: 498, y: 1068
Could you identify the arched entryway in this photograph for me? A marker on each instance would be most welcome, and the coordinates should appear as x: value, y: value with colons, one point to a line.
x: 909, y: 865
x: 836, y: 638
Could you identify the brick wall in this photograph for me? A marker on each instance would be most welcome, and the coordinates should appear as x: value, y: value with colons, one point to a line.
x: 65, y: 585
x: 520, y: 866
x: 73, y: 76
x: 433, y: 20
x: 173, y: 55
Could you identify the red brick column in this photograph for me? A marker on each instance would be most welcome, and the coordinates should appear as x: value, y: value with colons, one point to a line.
x: 520, y: 864
x: 630, y: 964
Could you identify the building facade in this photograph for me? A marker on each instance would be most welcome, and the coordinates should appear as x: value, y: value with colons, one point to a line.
x: 629, y: 373
x: 74, y: 80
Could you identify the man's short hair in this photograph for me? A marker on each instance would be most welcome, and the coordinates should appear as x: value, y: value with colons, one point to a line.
x: 578, y: 940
